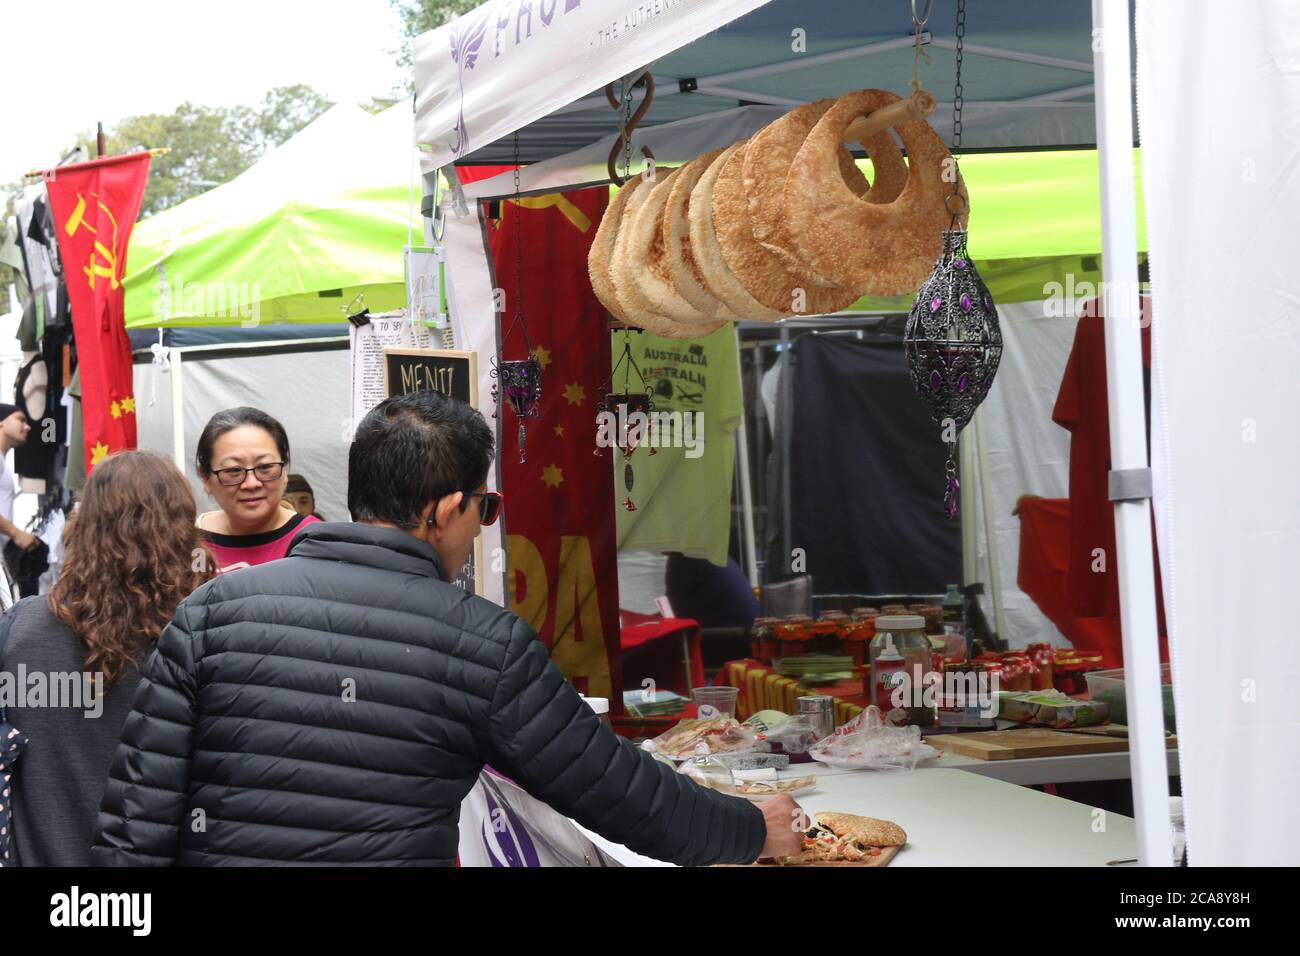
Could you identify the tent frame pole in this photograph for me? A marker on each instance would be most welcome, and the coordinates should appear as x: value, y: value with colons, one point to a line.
x: 746, y: 486
x: 1128, y: 432
x: 990, y: 525
x: 178, y: 410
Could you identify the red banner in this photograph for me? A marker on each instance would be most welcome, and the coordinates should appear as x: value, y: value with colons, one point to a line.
x: 94, y: 206
x: 560, y: 502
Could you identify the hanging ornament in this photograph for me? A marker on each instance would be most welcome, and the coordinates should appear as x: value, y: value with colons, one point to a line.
x: 622, y: 406
x: 518, y: 381
x: 952, y: 338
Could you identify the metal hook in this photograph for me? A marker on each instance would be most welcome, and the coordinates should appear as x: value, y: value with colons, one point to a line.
x: 919, y: 21
x: 625, y: 129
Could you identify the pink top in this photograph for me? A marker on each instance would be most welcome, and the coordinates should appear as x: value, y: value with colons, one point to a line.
x: 235, y: 551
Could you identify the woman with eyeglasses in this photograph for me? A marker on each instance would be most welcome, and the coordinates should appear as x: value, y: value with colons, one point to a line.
x: 243, y: 460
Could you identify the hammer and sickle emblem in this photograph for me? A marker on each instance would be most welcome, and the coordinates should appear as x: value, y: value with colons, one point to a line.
x: 107, y: 268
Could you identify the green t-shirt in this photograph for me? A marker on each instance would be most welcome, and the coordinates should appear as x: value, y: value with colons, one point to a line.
x: 682, y: 493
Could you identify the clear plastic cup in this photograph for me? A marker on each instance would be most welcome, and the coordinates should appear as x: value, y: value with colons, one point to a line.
x: 715, y: 701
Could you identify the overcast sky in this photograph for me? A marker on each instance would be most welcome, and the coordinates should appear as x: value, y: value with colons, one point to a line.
x: 72, y: 63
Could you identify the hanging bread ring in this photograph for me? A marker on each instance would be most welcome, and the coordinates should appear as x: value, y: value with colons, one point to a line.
x: 640, y: 272
x: 602, y: 251
x: 625, y: 252
x: 757, y: 269
x: 679, y: 260
x: 767, y: 164
x: 718, y: 277
x: 883, y: 248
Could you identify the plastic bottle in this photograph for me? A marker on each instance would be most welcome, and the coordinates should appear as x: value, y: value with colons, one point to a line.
x: 886, y: 670
x: 954, y: 611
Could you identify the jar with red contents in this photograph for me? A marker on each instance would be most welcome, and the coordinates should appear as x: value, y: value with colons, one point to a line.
x: 792, y: 634
x: 1015, y: 672
x: 1068, y: 672
x: 763, y: 645
x: 855, y: 634
x: 1042, y: 657
x: 825, y: 632
x: 933, y: 614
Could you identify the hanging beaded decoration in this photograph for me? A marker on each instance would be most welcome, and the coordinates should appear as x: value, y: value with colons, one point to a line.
x: 622, y: 406
x: 520, y: 380
x: 952, y: 338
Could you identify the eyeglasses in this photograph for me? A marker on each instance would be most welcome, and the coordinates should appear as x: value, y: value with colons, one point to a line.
x: 489, y: 508
x: 266, y: 471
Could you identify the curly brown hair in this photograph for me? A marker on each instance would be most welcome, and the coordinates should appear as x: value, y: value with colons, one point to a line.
x: 131, y: 553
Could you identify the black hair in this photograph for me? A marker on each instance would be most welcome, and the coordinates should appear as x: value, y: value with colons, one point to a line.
x: 413, y: 449
x: 233, y: 418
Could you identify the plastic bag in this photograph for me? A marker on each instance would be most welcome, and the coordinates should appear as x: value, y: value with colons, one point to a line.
x: 795, y: 735
x: 711, y: 735
x: 868, y: 743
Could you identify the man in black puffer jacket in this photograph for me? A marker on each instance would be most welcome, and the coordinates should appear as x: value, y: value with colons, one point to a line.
x: 335, y: 707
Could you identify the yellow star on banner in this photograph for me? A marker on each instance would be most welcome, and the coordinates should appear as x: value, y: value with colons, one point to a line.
x: 128, y: 404
x: 559, y: 431
x: 552, y: 476
x: 543, y: 356
x: 98, y: 453
x: 574, y: 394
x: 115, y: 410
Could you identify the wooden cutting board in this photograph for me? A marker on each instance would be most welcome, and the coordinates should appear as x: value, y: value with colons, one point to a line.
x: 1026, y: 742
x: 886, y: 854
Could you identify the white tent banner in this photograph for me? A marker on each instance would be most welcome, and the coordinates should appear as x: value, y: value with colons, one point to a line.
x: 505, y: 64
x: 1225, y: 341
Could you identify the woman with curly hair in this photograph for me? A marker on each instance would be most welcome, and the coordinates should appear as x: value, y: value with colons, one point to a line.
x: 131, y: 553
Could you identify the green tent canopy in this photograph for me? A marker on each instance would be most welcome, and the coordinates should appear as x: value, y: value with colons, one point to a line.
x: 294, y: 238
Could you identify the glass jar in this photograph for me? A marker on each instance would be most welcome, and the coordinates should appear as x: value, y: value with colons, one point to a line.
x: 1015, y: 672
x: 857, y: 631
x: 933, y: 614
x: 1042, y: 657
x: 763, y: 645
x: 792, y: 634
x: 906, y: 632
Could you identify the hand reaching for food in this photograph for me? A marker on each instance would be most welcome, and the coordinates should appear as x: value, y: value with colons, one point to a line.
x: 786, y: 823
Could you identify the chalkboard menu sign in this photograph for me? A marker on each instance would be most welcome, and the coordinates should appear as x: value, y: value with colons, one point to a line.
x: 451, y: 373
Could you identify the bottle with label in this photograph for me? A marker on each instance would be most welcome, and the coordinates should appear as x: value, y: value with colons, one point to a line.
x: 886, y: 672
x: 954, y: 611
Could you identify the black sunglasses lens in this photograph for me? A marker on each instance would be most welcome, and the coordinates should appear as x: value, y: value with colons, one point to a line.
x: 489, y: 507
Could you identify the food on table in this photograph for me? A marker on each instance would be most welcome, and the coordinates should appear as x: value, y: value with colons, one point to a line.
x: 846, y: 838
x: 1051, y: 709
x: 713, y: 735
x: 770, y: 788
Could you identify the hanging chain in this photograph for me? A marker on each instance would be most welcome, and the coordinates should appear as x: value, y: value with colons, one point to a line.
x: 627, y: 121
x: 519, y: 266
x: 955, y: 209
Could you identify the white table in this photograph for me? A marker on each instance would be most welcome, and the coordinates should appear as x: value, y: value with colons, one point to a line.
x: 955, y: 818
x: 1030, y: 771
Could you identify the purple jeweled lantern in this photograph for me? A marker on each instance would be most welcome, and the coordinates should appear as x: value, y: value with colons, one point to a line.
x: 521, y: 381
x: 953, y: 346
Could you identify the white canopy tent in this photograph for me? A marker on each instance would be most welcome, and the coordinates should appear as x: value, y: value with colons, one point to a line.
x: 507, y: 67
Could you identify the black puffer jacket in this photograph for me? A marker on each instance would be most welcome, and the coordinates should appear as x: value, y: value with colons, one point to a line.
x: 245, y: 714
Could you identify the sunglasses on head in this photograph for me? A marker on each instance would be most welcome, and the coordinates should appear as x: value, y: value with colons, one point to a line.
x: 489, y: 505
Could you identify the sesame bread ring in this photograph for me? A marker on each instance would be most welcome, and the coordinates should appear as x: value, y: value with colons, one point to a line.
x: 881, y: 248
